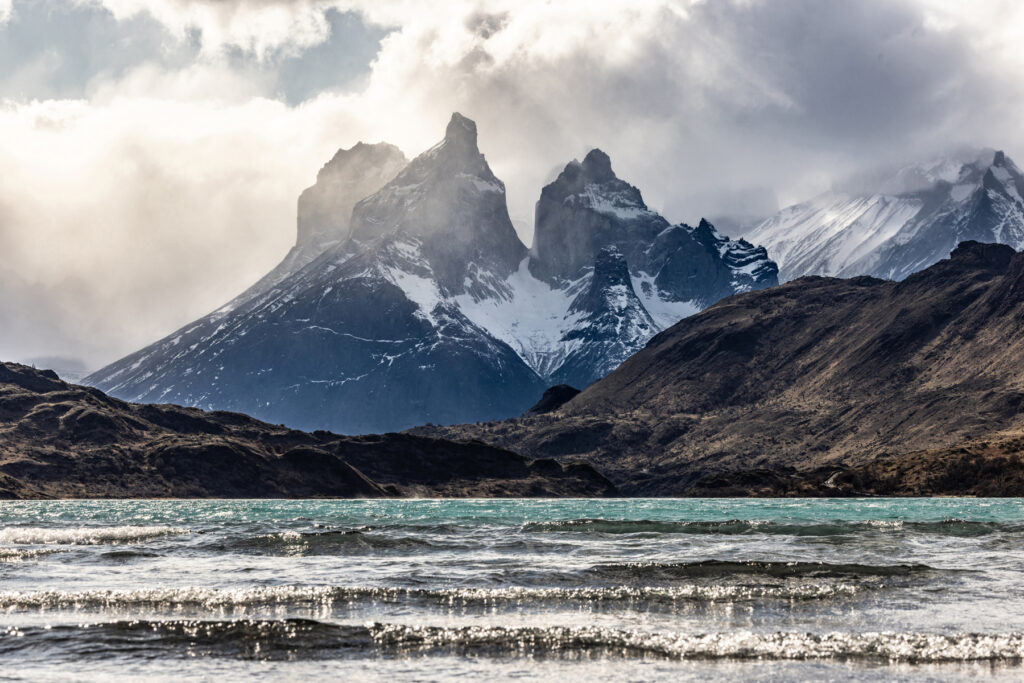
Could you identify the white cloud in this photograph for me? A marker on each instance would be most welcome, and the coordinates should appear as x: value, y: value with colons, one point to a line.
x: 168, y: 190
x: 5, y: 10
x: 257, y: 25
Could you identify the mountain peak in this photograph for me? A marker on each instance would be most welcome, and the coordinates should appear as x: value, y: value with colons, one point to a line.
x: 357, y: 159
x: 610, y: 277
x: 324, y: 209
x: 449, y: 199
x: 999, y: 159
x: 597, y: 166
x: 461, y: 130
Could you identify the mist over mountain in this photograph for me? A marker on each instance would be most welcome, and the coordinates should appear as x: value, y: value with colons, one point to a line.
x: 423, y: 305
x: 892, y: 224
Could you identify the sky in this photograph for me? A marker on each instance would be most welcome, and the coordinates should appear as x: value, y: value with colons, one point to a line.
x: 152, y: 151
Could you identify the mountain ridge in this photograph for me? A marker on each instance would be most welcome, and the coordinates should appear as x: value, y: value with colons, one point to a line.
x: 424, y: 305
x: 899, y: 224
x: 818, y: 373
x: 59, y: 440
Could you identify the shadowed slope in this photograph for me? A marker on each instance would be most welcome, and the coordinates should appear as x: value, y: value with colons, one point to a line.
x: 815, y: 373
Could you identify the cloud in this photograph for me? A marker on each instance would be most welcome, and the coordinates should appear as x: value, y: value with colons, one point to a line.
x: 164, y: 186
x: 261, y: 26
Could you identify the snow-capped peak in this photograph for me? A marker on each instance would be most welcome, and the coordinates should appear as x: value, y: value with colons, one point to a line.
x: 430, y: 309
x: 902, y: 223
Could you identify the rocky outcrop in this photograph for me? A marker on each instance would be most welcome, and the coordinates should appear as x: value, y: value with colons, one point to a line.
x: 817, y: 375
x: 60, y: 440
x: 553, y: 399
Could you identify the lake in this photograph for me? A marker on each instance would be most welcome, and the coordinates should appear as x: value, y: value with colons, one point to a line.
x: 624, y: 589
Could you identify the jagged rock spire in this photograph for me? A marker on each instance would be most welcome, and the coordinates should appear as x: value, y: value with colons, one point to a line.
x: 449, y: 199
x: 585, y: 209
x: 597, y: 166
x: 461, y: 131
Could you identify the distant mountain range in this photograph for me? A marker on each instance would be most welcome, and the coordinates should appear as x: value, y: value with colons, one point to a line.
x: 408, y: 297
x: 897, y: 223
x: 819, y: 386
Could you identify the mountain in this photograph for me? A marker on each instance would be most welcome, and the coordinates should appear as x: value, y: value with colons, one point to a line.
x: 324, y: 217
x: 896, y: 224
x: 421, y: 304
x: 605, y: 273
x: 61, y: 440
x: 325, y: 208
x: 804, y: 381
x: 365, y: 337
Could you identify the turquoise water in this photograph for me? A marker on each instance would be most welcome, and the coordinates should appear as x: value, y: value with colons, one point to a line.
x: 534, y: 589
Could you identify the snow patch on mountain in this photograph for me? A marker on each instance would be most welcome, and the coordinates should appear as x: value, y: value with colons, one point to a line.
x: 663, y: 310
x: 901, y: 223
x: 531, y: 316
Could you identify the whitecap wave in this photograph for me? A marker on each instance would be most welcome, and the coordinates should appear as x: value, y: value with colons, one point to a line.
x: 84, y: 535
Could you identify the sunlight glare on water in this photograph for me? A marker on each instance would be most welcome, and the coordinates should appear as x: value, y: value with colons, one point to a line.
x: 438, y: 589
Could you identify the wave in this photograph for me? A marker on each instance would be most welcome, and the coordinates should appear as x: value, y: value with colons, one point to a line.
x: 22, y: 554
x: 561, y: 641
x: 717, y: 569
x: 85, y: 535
x: 126, y: 555
x: 307, y: 638
x: 321, y: 542
x: 947, y: 527
x: 333, y: 596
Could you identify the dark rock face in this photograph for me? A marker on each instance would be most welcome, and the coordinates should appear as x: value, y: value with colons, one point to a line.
x: 449, y: 200
x: 704, y: 266
x: 61, y: 440
x: 816, y: 375
x: 553, y: 398
x: 586, y: 209
x: 613, y: 324
x: 901, y: 225
x: 325, y: 209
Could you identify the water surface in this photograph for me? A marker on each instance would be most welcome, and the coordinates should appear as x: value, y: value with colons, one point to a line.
x: 430, y: 589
